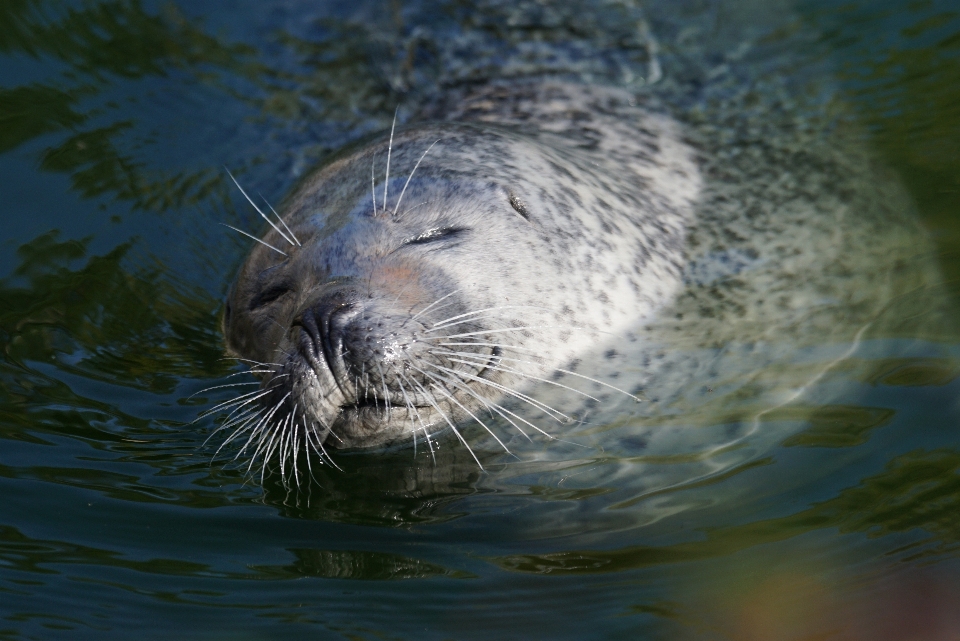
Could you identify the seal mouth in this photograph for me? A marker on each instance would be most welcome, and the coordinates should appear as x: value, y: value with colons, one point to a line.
x: 371, y: 404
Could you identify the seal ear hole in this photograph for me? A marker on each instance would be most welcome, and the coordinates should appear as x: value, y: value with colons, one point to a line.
x: 519, y: 206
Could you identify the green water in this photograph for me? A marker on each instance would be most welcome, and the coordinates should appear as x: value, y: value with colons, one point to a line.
x: 116, y: 121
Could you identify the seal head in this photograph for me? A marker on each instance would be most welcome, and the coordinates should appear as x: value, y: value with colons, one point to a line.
x: 419, y: 280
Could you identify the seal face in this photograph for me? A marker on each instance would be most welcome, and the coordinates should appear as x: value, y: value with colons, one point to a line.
x: 415, y: 282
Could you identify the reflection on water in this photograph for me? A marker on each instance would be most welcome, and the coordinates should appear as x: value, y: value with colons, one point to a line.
x: 833, y: 516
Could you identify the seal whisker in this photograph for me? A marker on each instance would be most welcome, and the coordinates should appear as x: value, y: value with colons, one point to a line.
x: 453, y: 399
x: 250, y: 439
x: 430, y: 306
x: 306, y: 450
x: 499, y: 409
x: 506, y: 390
x: 334, y: 434
x: 259, y: 211
x: 294, y: 452
x: 272, y: 445
x: 386, y: 394
x: 509, y: 370
x: 515, y: 348
x: 281, y: 451
x: 247, y: 372
x: 239, y: 402
x: 410, y: 177
x: 446, y: 321
x: 240, y: 430
x: 426, y: 433
x: 386, y: 179
x: 235, y: 414
x: 243, y: 427
x: 289, y: 231
x: 256, y: 434
x: 408, y: 404
x: 414, y: 208
x: 248, y: 416
x: 286, y: 449
x: 373, y: 180
x: 307, y: 433
x: 449, y: 422
x: 266, y: 244
x: 233, y: 401
x: 264, y: 422
x: 295, y: 469
x: 239, y: 418
x: 309, y: 436
x: 324, y: 451
x: 557, y: 369
x: 461, y: 406
x: 250, y: 360
x: 499, y: 330
x: 208, y: 389
x: 474, y: 319
x: 598, y: 382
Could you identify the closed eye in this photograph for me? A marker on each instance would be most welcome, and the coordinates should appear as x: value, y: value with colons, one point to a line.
x: 269, y: 295
x: 433, y: 235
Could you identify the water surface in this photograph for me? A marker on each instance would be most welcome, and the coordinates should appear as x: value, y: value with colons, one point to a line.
x: 118, y: 119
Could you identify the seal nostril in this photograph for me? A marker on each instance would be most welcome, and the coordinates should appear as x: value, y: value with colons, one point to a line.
x: 327, y: 322
x: 307, y: 322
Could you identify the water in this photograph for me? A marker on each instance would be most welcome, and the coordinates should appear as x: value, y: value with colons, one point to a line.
x: 117, y: 119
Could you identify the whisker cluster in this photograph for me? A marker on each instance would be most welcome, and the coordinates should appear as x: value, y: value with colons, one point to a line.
x: 287, y: 235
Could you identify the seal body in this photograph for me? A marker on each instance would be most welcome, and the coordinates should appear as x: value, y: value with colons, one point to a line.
x: 552, y: 249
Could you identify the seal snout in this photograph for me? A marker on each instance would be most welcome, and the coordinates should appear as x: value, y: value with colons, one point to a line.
x: 364, y: 342
x: 324, y: 325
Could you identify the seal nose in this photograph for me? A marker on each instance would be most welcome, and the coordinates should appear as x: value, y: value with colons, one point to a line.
x: 324, y: 323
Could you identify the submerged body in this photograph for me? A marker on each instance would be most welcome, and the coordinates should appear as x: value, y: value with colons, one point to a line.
x: 539, y: 251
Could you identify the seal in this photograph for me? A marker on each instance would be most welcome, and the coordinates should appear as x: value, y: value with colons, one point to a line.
x: 542, y: 247
x: 412, y: 283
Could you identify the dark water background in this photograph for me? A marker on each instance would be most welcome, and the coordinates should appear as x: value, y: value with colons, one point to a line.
x: 116, y: 120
